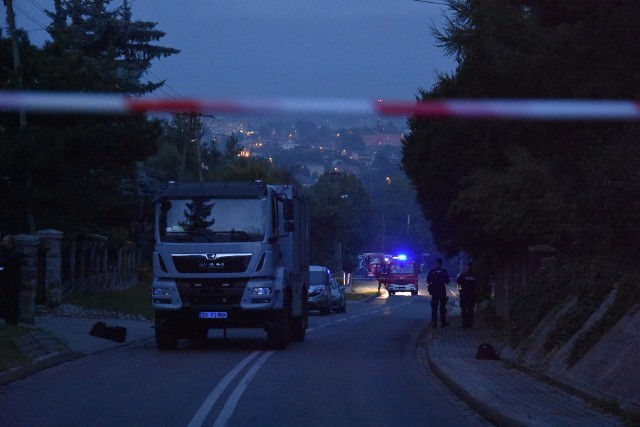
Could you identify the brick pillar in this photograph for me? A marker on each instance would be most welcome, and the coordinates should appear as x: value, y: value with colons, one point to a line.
x: 52, y: 242
x: 27, y: 245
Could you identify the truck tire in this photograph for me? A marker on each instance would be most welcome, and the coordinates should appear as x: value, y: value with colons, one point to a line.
x: 278, y: 331
x: 343, y: 309
x: 299, y: 323
x: 165, y: 331
x: 327, y: 307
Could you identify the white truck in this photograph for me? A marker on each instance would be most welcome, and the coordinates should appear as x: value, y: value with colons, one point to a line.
x: 230, y: 255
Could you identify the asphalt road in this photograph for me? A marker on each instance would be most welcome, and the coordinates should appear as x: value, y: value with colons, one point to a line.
x: 354, y: 368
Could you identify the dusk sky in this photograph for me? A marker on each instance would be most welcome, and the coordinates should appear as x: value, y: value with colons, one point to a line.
x: 285, y: 48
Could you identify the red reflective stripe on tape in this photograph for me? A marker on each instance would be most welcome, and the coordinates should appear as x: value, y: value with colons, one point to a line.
x: 425, y: 108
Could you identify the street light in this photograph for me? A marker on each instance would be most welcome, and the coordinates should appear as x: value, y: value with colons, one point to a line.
x: 384, y: 208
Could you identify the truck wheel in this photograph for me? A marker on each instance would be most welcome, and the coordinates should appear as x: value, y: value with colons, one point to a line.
x: 278, y: 331
x: 166, y: 337
x: 299, y: 325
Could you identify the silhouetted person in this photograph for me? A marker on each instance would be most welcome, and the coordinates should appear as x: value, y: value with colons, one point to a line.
x: 467, y: 286
x: 437, y: 279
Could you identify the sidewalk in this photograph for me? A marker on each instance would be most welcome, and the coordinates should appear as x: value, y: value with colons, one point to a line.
x: 56, y: 339
x: 503, y: 395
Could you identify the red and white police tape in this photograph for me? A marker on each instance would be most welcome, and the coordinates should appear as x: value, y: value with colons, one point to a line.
x: 510, y: 109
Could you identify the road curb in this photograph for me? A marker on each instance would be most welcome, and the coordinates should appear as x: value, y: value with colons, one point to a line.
x: 37, y: 365
x: 51, y: 360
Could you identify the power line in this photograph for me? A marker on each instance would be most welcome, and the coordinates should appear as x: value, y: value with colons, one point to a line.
x: 432, y: 2
x: 28, y: 16
x: 165, y: 84
x: 37, y: 6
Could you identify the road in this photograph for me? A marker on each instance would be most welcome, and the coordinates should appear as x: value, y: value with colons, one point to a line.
x: 354, y: 368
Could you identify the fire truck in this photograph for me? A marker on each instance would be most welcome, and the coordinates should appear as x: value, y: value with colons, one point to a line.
x: 400, y: 275
x: 374, y: 264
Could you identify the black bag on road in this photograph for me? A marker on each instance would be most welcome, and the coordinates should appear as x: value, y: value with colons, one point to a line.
x: 113, y: 333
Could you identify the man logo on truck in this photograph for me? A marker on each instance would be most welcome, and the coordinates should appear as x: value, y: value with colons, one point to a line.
x: 211, y: 265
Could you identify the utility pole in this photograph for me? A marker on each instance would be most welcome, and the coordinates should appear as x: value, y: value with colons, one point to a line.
x: 28, y: 178
x: 11, y: 22
x: 193, y: 137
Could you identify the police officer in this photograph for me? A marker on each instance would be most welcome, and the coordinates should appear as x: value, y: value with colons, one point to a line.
x: 437, y: 279
x: 467, y: 286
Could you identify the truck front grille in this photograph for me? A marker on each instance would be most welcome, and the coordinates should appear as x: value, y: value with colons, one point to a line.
x: 211, y: 292
x: 199, y: 263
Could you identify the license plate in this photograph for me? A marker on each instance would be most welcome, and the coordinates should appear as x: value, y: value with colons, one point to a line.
x: 213, y: 315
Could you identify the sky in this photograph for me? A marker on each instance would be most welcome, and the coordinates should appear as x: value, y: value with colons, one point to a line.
x: 363, y: 49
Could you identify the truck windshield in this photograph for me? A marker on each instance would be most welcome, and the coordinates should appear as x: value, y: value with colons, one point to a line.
x: 202, y: 219
x: 402, y: 268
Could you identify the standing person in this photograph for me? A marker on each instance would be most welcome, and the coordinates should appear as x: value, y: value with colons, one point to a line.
x: 468, y: 287
x: 437, y: 279
x: 10, y: 279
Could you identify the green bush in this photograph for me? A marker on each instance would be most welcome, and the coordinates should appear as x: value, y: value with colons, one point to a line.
x: 544, y: 293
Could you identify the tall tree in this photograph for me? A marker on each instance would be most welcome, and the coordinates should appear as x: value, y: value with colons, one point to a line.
x: 93, y: 48
x: 77, y: 163
x: 499, y: 185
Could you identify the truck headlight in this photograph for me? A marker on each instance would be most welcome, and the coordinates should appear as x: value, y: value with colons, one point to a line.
x: 161, y: 292
x: 262, y: 291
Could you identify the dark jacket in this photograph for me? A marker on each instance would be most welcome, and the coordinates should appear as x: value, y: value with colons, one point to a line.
x: 437, y: 278
x: 467, y: 284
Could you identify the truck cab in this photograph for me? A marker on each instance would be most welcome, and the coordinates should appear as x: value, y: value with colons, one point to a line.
x: 230, y: 255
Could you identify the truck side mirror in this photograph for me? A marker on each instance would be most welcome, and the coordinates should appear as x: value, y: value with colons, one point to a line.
x: 287, y: 208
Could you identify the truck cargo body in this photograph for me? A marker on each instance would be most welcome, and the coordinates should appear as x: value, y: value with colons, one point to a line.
x: 230, y: 255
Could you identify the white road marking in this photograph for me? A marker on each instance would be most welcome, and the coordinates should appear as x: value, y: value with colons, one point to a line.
x: 233, y: 400
x: 206, y: 406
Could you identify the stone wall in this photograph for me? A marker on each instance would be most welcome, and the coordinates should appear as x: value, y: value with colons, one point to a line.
x: 606, y: 372
x: 55, y: 265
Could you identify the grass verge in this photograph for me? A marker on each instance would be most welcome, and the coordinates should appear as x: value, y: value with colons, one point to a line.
x: 135, y: 300
x: 10, y: 355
